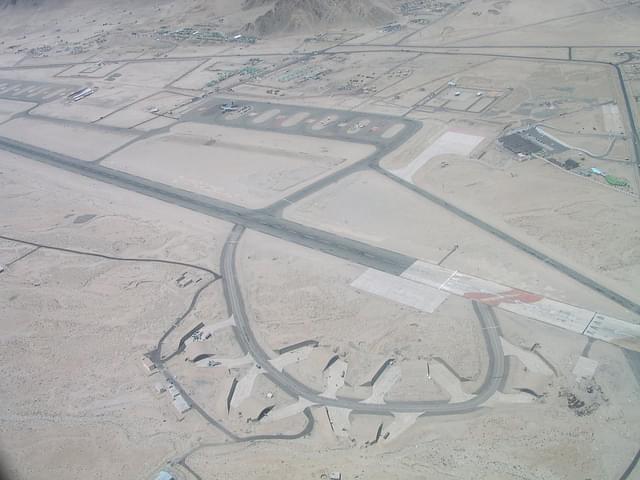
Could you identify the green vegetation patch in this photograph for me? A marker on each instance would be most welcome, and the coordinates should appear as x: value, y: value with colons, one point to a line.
x: 615, y: 181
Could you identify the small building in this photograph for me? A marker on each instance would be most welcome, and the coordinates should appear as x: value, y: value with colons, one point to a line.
x: 518, y: 144
x: 181, y: 404
x: 148, y: 365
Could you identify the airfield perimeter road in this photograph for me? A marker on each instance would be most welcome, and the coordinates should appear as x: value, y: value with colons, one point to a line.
x: 249, y: 344
x: 347, y: 249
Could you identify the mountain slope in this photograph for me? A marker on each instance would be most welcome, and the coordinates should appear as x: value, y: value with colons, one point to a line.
x: 286, y: 16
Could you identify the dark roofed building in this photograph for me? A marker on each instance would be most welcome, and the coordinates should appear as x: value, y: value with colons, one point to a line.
x: 518, y: 144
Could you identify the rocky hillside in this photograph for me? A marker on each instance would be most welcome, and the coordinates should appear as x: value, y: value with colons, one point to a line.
x: 285, y: 16
x: 261, y: 18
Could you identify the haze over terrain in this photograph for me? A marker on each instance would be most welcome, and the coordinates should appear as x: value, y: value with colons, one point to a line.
x: 263, y: 17
x: 320, y: 239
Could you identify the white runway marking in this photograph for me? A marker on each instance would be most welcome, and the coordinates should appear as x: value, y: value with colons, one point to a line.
x: 387, y: 380
x: 402, y: 422
x: 559, y: 314
x: 585, y: 368
x: 612, y: 330
x: 401, y: 290
x: 228, y: 362
x: 499, y: 397
x: 268, y: 115
x: 448, y: 143
x: 529, y: 359
x: 295, y: 119
x: 393, y: 130
x: 288, y: 410
x: 245, y: 386
x: 335, y: 378
x: 212, y: 328
x: 339, y: 418
x: 612, y: 120
x: 449, y: 382
x: 291, y: 357
x: 324, y: 122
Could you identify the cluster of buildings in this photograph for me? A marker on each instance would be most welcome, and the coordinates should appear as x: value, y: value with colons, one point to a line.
x: 203, y: 34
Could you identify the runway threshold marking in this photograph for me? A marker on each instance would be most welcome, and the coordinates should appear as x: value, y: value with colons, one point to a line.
x: 531, y: 305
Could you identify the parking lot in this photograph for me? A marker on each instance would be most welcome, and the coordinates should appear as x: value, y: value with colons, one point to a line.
x: 34, y: 91
x: 344, y: 125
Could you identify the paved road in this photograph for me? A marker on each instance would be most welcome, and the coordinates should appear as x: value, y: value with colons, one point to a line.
x: 29, y: 91
x: 261, y: 221
x: 267, y: 222
x: 210, y: 113
x: 629, y: 109
x: 557, y: 265
x: 248, y: 342
x: 358, y: 252
x: 383, y: 258
x: 215, y: 275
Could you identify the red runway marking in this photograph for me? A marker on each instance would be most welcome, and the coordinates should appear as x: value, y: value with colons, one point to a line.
x: 510, y: 296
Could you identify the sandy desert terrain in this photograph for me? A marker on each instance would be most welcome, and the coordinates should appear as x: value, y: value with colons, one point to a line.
x: 327, y: 240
